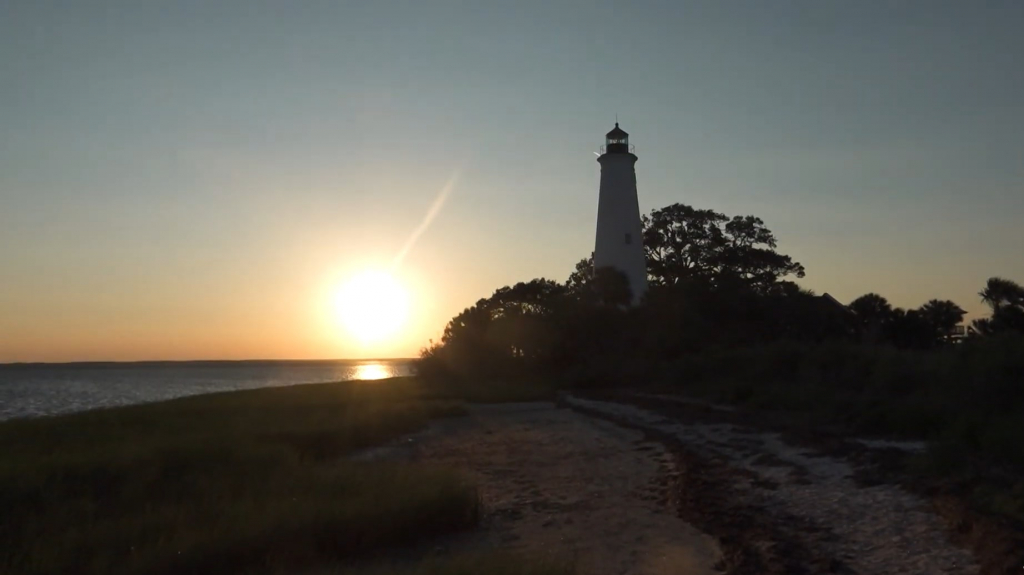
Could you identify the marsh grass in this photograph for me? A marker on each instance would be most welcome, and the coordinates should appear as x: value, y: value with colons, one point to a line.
x: 248, y: 481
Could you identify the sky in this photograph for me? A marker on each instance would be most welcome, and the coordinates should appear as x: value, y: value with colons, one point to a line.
x: 193, y: 180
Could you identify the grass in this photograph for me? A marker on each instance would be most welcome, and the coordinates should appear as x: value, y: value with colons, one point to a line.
x: 490, y: 390
x: 249, y: 481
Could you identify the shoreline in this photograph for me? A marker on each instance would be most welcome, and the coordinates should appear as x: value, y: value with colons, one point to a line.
x: 30, y: 391
x: 175, y: 362
x: 222, y: 482
x: 772, y: 499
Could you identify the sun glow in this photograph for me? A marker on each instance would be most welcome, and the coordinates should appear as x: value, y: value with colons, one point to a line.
x: 371, y: 371
x: 372, y: 306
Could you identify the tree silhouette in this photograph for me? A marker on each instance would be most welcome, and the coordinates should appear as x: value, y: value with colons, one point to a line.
x: 871, y: 308
x: 716, y: 283
x: 928, y: 326
x: 873, y: 313
x: 581, y: 276
x: 908, y: 329
x: 683, y: 243
x: 1006, y: 299
x: 942, y: 316
x: 1000, y: 292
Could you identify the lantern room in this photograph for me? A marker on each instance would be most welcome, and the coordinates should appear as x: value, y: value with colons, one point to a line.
x: 616, y: 141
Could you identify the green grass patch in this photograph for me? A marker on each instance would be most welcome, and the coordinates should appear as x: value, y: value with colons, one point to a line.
x: 249, y: 481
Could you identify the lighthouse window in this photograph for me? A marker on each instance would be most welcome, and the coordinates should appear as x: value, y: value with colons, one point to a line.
x: 629, y: 239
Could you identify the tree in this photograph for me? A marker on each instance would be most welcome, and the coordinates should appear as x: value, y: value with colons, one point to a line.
x: 1000, y: 292
x: 601, y: 286
x: 871, y: 306
x: 922, y: 328
x: 684, y: 243
x: 538, y: 297
x: 1006, y: 298
x: 800, y: 315
x: 1009, y: 319
x: 873, y: 312
x: 716, y: 282
x: 943, y: 316
x: 472, y: 323
x: 908, y: 329
x: 751, y: 254
x: 516, y: 327
x: 464, y: 347
x: 581, y: 276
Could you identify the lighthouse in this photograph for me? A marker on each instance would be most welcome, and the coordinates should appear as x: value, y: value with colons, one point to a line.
x: 619, y: 232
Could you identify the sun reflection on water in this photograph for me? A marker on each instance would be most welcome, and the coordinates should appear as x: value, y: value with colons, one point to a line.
x: 369, y: 371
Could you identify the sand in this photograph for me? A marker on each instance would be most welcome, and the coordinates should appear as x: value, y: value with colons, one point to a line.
x: 559, y: 485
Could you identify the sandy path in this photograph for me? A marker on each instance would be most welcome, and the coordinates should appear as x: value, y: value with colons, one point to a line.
x: 558, y: 484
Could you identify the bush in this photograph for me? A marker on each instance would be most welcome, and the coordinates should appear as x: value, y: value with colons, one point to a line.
x: 972, y: 394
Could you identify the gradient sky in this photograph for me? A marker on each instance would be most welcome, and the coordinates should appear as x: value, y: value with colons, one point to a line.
x: 189, y: 179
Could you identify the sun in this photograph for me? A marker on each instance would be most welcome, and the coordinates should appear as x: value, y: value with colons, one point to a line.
x: 372, y: 306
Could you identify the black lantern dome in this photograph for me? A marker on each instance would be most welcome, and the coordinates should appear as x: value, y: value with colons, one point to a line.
x: 617, y: 141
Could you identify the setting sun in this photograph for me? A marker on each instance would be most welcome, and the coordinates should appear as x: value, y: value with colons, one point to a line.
x: 372, y: 306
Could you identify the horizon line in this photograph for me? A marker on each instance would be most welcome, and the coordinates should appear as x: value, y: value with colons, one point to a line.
x: 166, y: 361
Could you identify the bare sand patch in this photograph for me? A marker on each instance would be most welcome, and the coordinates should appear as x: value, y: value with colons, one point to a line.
x: 557, y: 484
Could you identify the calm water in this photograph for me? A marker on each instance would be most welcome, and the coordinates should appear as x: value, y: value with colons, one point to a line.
x: 34, y: 390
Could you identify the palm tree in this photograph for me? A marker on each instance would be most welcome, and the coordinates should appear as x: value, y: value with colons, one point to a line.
x: 871, y: 308
x: 1006, y: 298
x: 942, y: 315
x: 981, y: 326
x: 873, y: 313
x: 1001, y: 292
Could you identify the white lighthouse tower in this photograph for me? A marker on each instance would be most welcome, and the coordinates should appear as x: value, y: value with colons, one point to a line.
x: 619, y: 232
